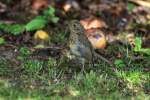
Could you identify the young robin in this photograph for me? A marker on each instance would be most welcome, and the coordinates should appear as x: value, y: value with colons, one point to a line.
x: 80, y: 47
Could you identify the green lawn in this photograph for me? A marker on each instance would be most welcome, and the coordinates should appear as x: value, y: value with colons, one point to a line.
x: 56, y: 79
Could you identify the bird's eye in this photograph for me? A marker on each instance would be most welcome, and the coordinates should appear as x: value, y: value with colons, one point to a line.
x: 75, y: 25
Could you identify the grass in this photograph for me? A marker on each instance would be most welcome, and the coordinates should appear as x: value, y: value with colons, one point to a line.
x: 56, y: 79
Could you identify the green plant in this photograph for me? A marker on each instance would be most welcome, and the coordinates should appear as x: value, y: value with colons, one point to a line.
x: 54, y: 72
x: 51, y: 63
x: 119, y: 63
x: 41, y: 21
x: 38, y: 22
x: 138, y: 44
x: 60, y: 37
x: 33, y: 66
x: 138, y: 47
x: 50, y: 15
x: 2, y: 40
x: 132, y: 77
x: 14, y: 29
x: 131, y: 6
x: 25, y: 51
x: 90, y: 80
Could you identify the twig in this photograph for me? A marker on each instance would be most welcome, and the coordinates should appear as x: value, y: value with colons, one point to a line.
x: 141, y: 3
x: 103, y: 58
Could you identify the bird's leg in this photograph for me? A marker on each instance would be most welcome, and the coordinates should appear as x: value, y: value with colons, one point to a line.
x: 82, y: 69
x: 92, y: 63
x: 83, y: 66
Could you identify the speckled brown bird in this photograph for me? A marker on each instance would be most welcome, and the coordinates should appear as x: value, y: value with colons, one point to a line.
x: 80, y: 48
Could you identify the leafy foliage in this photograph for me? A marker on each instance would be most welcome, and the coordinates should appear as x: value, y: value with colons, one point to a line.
x: 138, y: 47
x: 138, y: 44
x: 25, y: 51
x: 14, y: 29
x: 119, y: 63
x: 2, y: 40
x: 50, y: 14
x: 38, y: 22
x: 133, y: 77
x: 131, y: 6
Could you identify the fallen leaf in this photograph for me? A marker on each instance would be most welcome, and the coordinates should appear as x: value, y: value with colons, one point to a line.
x: 73, y: 91
x: 93, y: 22
x: 38, y: 4
x: 39, y: 46
x: 71, y: 4
x: 41, y: 35
x: 97, y: 38
x: 67, y: 7
x: 141, y: 3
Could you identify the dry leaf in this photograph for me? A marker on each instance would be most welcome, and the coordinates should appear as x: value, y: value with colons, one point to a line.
x: 89, y: 23
x: 73, y: 91
x: 97, y: 38
x: 71, y: 4
x: 141, y: 3
x: 41, y: 35
x: 67, y: 7
x: 38, y: 4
